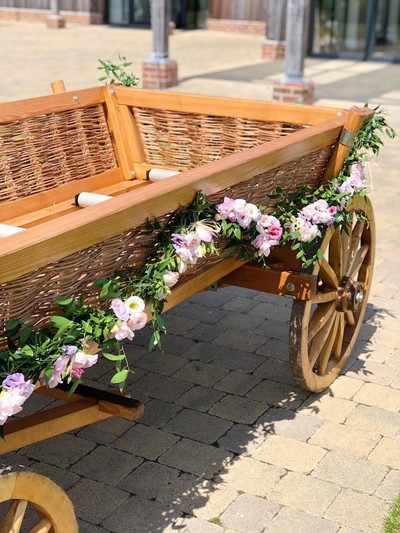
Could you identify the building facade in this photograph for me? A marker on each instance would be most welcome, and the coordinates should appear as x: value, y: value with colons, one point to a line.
x: 357, y: 29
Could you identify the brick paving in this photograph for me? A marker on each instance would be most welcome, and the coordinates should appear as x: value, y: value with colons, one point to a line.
x: 228, y: 444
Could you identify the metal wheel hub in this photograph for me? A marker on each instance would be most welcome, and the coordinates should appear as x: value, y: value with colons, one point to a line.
x: 350, y: 295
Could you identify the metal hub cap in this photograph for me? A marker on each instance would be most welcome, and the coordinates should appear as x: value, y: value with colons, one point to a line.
x: 350, y: 295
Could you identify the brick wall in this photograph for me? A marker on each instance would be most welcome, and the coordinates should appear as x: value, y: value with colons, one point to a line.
x: 40, y: 15
x: 239, y: 26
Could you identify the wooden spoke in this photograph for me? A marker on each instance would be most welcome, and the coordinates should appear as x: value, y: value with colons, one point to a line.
x: 324, y: 296
x: 351, y: 321
x: 328, y: 275
x: 320, y: 318
x: 12, y: 520
x: 320, y: 339
x: 322, y: 334
x: 358, y: 260
x: 327, y: 348
x: 43, y: 526
x: 335, y: 253
x: 354, y: 244
x: 338, y: 344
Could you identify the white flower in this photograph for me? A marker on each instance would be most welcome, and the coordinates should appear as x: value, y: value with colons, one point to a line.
x: 134, y: 304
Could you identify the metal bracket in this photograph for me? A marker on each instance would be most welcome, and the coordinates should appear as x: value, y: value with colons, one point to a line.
x: 347, y: 137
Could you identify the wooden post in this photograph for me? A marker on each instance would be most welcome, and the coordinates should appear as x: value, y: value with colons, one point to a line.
x: 294, y: 87
x: 160, y: 72
x: 55, y: 20
x: 273, y: 46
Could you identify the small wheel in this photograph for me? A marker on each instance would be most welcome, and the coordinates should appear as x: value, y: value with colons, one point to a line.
x: 324, y: 330
x: 54, y: 511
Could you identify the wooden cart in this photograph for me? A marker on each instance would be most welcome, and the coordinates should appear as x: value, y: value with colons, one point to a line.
x: 106, y: 140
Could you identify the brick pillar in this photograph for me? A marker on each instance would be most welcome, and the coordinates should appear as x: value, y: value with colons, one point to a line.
x: 159, y: 71
x: 273, y: 49
x: 55, y: 20
x: 294, y: 87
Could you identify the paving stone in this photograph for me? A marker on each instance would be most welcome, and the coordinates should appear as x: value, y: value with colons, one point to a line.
x: 201, y: 373
x: 267, y: 310
x: 104, y: 382
x: 200, y: 398
x: 237, y: 383
x: 387, y: 452
x: 375, y: 419
x: 241, y: 439
x: 85, y: 527
x: 239, y: 360
x: 249, y: 513
x: 62, y: 477
x: 289, y: 454
x: 275, y: 349
x: 238, y: 409
x: 205, y: 351
x: 198, y: 426
x: 278, y: 394
x: 293, y: 521
x: 98, y: 508
x: 275, y: 370
x: 106, y: 465
x: 327, y: 407
x: 161, y: 363
x: 239, y: 305
x: 176, y: 344
x: 236, y: 340
x: 199, y: 497
x: 145, y: 441
x: 305, y: 493
x: 273, y: 329
x: 359, y: 511
x: 157, y: 413
x: 372, y: 372
x: 180, y: 325
x: 212, y: 298
x: 379, y: 396
x: 250, y: 476
x: 162, y: 387
x: 61, y: 451
x: 345, y: 387
x: 241, y: 321
x: 190, y: 524
x: 288, y: 423
x: 205, y: 332
x: 345, y: 438
x: 196, y: 458
x: 351, y: 472
x: 105, y: 431
x: 149, y: 480
x: 389, y: 489
x: 202, y: 313
x: 138, y: 515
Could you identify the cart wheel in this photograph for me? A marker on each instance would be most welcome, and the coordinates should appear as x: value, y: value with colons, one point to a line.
x: 324, y: 330
x: 54, y: 511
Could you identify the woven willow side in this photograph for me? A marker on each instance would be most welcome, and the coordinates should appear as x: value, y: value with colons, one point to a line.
x: 42, y: 152
x: 186, y: 140
x: 31, y: 297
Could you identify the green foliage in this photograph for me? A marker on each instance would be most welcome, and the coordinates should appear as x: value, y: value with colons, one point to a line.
x: 392, y: 520
x: 115, y: 73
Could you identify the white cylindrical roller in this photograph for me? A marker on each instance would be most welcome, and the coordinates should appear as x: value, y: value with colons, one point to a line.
x: 86, y: 199
x: 6, y: 230
x: 158, y: 174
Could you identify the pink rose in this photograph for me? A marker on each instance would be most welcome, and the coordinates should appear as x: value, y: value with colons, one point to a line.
x: 137, y: 321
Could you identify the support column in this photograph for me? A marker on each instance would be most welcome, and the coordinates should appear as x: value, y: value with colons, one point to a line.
x: 55, y: 20
x: 159, y: 71
x: 294, y: 87
x: 273, y: 46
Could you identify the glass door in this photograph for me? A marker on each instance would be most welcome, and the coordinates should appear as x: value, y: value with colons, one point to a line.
x: 129, y: 12
x: 357, y: 29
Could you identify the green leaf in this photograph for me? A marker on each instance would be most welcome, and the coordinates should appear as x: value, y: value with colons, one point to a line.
x: 13, y: 324
x: 61, y: 322
x: 119, y: 377
x: 63, y: 300
x: 112, y: 357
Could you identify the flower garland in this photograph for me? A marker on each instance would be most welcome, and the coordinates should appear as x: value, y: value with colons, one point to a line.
x: 74, y: 338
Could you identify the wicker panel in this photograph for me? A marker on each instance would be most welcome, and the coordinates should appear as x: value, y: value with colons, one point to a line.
x: 42, y: 152
x: 185, y: 140
x: 31, y: 297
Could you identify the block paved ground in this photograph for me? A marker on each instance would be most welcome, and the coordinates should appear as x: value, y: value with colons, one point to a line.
x: 228, y: 443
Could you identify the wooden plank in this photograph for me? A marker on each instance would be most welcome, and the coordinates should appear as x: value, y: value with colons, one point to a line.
x: 53, y: 103
x: 62, y: 193
x: 251, y: 276
x: 66, y: 235
x: 49, y: 423
x: 227, y: 107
